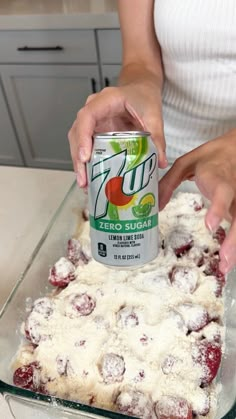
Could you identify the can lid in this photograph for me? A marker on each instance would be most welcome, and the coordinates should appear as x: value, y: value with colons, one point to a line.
x: 122, y: 134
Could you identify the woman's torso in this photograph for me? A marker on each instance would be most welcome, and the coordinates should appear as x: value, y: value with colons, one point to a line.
x: 198, y: 42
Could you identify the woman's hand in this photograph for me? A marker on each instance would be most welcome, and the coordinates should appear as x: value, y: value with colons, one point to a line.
x: 129, y: 107
x: 213, y: 167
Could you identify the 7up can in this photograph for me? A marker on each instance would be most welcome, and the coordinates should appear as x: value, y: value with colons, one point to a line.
x: 123, y: 199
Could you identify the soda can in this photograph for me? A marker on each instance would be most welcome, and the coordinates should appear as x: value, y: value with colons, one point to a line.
x: 123, y: 199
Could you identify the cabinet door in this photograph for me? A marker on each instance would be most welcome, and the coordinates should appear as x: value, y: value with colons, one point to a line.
x: 9, y: 150
x: 110, y: 74
x: 44, y: 101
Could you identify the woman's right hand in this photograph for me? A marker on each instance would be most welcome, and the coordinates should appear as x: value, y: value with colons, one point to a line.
x: 124, y: 108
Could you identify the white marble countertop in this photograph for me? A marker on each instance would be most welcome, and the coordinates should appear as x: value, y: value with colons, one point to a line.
x: 58, y: 14
x: 29, y: 198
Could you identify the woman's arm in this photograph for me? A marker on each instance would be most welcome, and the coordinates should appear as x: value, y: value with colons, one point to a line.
x: 136, y: 103
x: 141, y: 56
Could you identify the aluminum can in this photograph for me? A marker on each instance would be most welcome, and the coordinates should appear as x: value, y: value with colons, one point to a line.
x: 123, y: 199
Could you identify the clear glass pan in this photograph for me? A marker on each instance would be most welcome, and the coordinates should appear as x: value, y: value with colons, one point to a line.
x: 21, y: 404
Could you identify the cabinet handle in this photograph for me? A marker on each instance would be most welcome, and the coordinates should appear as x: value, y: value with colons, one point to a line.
x: 25, y: 48
x: 107, y: 82
x: 93, y: 85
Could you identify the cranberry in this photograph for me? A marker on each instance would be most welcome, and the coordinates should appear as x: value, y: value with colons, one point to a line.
x: 112, y: 368
x: 219, y: 235
x: 28, y: 376
x: 62, y: 273
x: 212, y: 269
x: 208, y: 355
x: 170, y: 407
x: 180, y: 240
x: 84, y: 304
x: 135, y: 403
x: 127, y: 317
x: 195, y: 316
x: 184, y: 278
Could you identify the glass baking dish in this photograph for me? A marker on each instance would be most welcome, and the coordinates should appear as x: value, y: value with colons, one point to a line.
x: 18, y: 403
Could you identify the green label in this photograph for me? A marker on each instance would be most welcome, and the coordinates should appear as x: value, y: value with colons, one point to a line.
x: 124, y: 226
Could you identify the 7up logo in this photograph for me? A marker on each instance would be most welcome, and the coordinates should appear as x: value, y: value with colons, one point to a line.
x: 111, y: 183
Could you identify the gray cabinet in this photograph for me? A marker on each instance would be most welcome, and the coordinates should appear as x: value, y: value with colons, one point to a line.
x: 9, y: 149
x: 110, y: 74
x: 44, y: 101
x: 110, y: 52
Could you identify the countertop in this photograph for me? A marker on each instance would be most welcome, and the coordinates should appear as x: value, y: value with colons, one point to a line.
x: 58, y: 14
x: 29, y: 198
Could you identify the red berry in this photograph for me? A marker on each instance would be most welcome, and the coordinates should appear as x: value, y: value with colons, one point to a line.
x: 170, y: 407
x: 180, y: 240
x: 43, y: 306
x: 112, y: 368
x: 84, y: 304
x: 208, y: 355
x: 32, y: 330
x: 135, y: 403
x: 28, y: 376
x: 74, y: 250
x: 195, y: 316
x: 219, y: 235
x: 185, y: 278
x: 127, y: 317
x: 62, y: 273
x: 212, y: 269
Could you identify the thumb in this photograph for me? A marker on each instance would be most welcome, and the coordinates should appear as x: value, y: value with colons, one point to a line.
x: 182, y: 169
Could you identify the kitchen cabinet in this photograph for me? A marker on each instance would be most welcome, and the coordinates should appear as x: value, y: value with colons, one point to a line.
x: 9, y: 149
x: 47, y: 76
x: 110, y: 52
x: 44, y: 101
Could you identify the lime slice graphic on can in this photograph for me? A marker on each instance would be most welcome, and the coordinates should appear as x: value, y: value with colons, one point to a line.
x: 148, y: 198
x: 142, y: 211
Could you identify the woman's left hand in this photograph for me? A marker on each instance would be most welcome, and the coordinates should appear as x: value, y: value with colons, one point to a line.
x: 213, y: 167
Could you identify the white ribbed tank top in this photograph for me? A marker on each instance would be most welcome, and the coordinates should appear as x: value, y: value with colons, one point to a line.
x: 198, y: 43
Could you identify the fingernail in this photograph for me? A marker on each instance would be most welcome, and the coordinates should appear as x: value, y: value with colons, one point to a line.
x: 213, y: 223
x: 83, y: 155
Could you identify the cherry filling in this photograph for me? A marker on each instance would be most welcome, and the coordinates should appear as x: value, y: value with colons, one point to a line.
x: 170, y: 407
x: 195, y: 316
x: 112, y: 368
x: 135, y: 403
x: 28, y: 376
x: 84, y: 304
x: 62, y: 273
x: 43, y: 306
x: 208, y: 356
x: 185, y: 278
x: 180, y: 240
